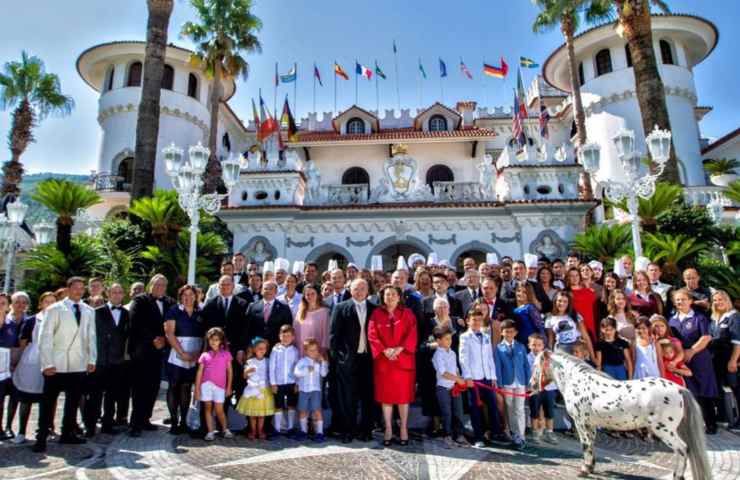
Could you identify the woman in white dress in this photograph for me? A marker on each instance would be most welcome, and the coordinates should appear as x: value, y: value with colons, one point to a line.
x: 27, y: 378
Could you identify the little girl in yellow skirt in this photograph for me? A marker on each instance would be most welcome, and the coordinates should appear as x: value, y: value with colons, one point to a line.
x: 257, y: 401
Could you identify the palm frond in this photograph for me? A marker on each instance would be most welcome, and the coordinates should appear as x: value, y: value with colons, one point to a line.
x: 603, y: 242
x: 732, y: 192
x: 65, y: 198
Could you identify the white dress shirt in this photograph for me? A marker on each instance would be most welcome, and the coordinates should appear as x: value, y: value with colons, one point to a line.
x: 116, y: 313
x: 282, y: 363
x: 293, y: 303
x: 476, y: 356
x: 445, y: 361
x: 310, y: 381
x: 361, y: 309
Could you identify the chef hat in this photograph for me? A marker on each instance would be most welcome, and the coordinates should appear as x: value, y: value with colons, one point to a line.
x: 298, y: 267
x: 530, y: 260
x: 401, y: 264
x: 444, y: 263
x: 641, y: 264
x: 415, y: 257
x: 333, y: 265
x: 492, y: 258
x: 596, y: 265
x: 619, y: 268
x: 268, y: 267
x: 433, y: 259
x: 376, y: 263
x: 281, y: 264
x: 352, y: 265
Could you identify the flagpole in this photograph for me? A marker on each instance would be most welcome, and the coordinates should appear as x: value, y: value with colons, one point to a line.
x: 442, y: 88
x: 421, y: 94
x: 377, y: 91
x: 357, y: 82
x: 398, y: 90
x: 314, y: 87
x: 274, y: 96
x: 335, y: 88
x: 295, y: 88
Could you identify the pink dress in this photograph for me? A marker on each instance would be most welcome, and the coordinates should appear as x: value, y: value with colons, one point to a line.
x: 316, y: 325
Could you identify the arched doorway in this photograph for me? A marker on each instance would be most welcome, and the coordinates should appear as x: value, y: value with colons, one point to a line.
x: 323, y: 260
x: 475, y: 249
x: 392, y: 247
x: 477, y: 255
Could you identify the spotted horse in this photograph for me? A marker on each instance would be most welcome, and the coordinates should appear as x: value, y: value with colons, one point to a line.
x: 595, y: 400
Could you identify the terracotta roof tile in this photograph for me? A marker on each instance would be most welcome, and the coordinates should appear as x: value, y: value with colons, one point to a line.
x: 394, y: 134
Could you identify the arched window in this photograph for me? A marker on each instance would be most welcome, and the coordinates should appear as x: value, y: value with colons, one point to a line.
x: 355, y: 175
x: 355, y: 126
x: 581, y: 76
x: 125, y: 174
x: 168, y: 77
x: 628, y: 53
x: 134, y: 75
x: 666, y: 53
x: 109, y: 79
x: 439, y: 173
x: 437, y: 123
x: 193, y: 86
x: 603, y: 62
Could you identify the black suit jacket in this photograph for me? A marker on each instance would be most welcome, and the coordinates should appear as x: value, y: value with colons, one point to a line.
x: 111, y: 339
x: 147, y: 322
x: 466, y: 300
x: 243, y: 279
x: 233, y: 322
x: 345, y: 332
x: 249, y: 296
x: 280, y: 315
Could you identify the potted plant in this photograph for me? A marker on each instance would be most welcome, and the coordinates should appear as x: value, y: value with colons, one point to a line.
x: 722, y: 171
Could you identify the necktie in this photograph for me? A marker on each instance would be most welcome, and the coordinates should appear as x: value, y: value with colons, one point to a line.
x: 337, y: 298
x: 266, y: 312
x: 78, y: 313
x: 226, y: 306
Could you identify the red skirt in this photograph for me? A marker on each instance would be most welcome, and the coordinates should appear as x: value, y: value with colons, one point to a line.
x: 393, y: 385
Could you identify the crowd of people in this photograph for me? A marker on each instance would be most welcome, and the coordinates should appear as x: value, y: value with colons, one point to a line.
x: 283, y: 347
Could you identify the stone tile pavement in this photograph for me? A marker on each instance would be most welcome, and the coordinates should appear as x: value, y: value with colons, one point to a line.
x: 159, y: 456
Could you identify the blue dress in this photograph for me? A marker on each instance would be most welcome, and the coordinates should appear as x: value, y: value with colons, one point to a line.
x: 689, y: 330
x: 528, y: 321
x: 189, y: 329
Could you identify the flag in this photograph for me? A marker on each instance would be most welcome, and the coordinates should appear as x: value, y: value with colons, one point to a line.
x: 498, y: 72
x: 287, y: 119
x: 517, y: 128
x: 316, y: 74
x: 465, y: 70
x: 521, y: 94
x: 421, y: 69
x: 363, y: 70
x: 290, y: 76
x: 378, y: 71
x: 268, y: 126
x: 544, y: 120
x: 277, y: 76
x: 442, y: 68
x: 528, y: 63
x: 338, y: 70
x: 395, y: 50
x: 256, y: 120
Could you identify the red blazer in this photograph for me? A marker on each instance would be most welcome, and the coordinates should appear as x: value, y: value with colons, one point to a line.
x: 384, y: 332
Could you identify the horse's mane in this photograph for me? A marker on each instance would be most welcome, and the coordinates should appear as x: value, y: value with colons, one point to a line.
x: 577, y: 362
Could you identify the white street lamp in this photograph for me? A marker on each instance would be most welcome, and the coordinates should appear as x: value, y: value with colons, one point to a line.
x: 186, y: 177
x: 15, y: 213
x: 716, y: 210
x: 635, y: 184
x: 43, y: 232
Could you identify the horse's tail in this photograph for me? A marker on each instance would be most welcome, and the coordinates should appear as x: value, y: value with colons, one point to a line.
x: 691, y: 431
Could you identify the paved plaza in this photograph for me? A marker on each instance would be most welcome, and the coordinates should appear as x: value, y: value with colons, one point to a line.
x: 160, y: 456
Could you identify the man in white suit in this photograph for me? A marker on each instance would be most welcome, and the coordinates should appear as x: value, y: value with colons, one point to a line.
x: 67, y: 349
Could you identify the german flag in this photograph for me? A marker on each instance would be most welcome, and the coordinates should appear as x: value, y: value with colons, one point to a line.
x: 498, y: 72
x: 338, y: 70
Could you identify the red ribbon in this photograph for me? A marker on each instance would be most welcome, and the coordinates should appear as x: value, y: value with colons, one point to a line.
x: 458, y: 389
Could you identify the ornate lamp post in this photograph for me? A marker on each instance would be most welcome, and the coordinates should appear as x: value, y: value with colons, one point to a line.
x: 716, y: 209
x: 43, y: 232
x: 15, y: 214
x: 636, y: 184
x: 187, y: 178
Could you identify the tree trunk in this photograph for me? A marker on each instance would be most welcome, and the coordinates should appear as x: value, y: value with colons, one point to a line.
x: 636, y: 26
x: 213, y: 168
x: 21, y: 135
x: 585, y: 190
x: 64, y: 234
x: 147, y: 124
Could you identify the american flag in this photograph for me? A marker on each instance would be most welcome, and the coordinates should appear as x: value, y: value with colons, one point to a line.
x: 544, y: 120
x: 517, y: 128
x: 465, y: 70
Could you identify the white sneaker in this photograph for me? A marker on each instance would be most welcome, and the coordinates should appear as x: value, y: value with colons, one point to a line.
x: 210, y: 436
x: 18, y: 439
x: 550, y: 437
x: 228, y: 434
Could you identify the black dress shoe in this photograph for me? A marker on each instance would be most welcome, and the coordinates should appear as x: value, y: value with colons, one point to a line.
x: 39, y: 446
x: 150, y: 427
x: 175, y: 430
x: 71, y: 440
x: 134, y: 433
x: 167, y: 421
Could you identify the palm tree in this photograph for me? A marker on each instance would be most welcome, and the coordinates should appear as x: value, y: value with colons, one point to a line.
x: 603, y: 242
x: 733, y: 191
x: 65, y: 199
x: 675, y: 252
x: 147, y: 122
x: 666, y: 195
x: 34, y: 94
x: 566, y: 15
x: 635, y: 26
x: 226, y: 33
x: 164, y: 215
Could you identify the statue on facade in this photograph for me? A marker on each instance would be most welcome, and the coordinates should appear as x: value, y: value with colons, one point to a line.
x: 486, y: 178
x: 313, y: 179
x: 380, y: 191
x: 254, y: 157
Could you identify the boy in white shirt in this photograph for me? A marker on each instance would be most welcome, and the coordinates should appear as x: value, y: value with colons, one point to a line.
x: 309, y: 371
x: 445, y: 364
x: 542, y: 424
x: 283, y: 359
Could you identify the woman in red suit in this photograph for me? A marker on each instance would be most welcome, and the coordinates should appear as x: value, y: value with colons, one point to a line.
x: 392, y: 336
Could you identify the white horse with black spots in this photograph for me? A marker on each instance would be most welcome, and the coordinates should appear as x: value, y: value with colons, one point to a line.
x: 595, y: 400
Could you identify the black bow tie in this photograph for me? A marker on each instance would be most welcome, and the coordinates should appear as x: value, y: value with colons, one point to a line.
x: 118, y: 307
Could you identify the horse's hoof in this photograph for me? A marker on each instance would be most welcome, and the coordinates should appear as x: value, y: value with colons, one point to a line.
x: 585, y: 472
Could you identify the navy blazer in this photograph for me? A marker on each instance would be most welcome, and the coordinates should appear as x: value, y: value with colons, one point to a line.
x: 511, y: 365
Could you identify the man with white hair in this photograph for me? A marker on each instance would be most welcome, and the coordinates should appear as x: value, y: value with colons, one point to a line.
x: 471, y: 293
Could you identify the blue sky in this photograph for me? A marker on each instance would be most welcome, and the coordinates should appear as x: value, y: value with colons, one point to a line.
x: 322, y: 31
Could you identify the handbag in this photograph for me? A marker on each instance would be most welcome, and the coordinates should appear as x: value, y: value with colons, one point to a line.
x: 193, y: 417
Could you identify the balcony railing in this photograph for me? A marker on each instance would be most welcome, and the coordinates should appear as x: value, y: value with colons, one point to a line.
x: 456, y: 191
x: 704, y: 195
x: 105, y: 182
x: 351, y: 194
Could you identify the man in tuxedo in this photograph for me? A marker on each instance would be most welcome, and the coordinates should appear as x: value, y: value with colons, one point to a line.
x: 266, y: 316
x: 499, y: 309
x: 440, y: 286
x: 352, y: 365
x: 112, y: 329
x: 340, y: 293
x: 228, y: 312
x: 146, y: 341
x: 253, y: 291
x: 241, y: 275
x: 471, y: 292
x: 67, y: 350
